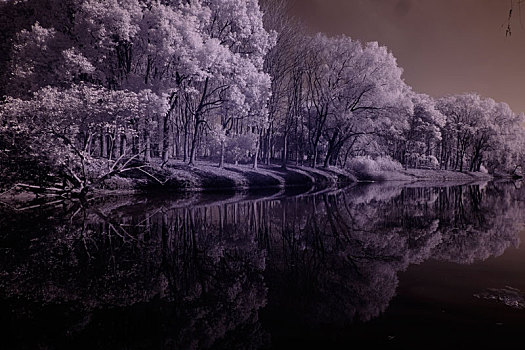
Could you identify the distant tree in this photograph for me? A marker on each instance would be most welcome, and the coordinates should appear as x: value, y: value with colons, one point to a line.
x: 478, y: 129
x: 506, y: 153
x: 285, y: 64
x: 352, y: 90
x: 464, y: 113
x: 423, y: 134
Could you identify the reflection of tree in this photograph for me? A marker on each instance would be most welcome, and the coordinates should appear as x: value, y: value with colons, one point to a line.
x: 482, y: 226
x: 339, y: 254
x: 215, y: 276
x: 198, y: 270
x: 208, y: 282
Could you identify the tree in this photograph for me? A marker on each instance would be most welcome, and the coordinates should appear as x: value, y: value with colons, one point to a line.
x: 479, y: 129
x: 352, y: 90
x: 506, y: 153
x: 62, y: 131
x: 181, y: 63
x: 464, y: 113
x: 284, y: 63
x: 420, y: 139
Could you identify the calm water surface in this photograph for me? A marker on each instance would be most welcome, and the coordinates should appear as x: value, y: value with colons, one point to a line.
x: 369, y: 264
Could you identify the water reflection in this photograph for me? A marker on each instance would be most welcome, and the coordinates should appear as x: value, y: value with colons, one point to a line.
x: 198, y: 272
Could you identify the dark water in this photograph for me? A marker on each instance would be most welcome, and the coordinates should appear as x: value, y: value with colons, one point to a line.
x: 371, y: 264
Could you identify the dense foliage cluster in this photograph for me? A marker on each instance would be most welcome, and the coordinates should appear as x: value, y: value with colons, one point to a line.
x: 92, y: 88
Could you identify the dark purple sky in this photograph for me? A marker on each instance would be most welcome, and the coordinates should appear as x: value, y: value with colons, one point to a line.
x: 444, y: 46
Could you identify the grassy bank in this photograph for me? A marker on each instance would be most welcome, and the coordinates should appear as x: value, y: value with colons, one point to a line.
x: 206, y: 176
x: 176, y: 176
x: 425, y: 175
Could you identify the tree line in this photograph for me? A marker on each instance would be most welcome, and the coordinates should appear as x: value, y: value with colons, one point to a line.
x: 93, y: 88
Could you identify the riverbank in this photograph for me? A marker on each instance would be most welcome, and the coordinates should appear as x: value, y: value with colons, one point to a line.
x: 179, y: 177
x: 429, y: 175
x: 207, y: 176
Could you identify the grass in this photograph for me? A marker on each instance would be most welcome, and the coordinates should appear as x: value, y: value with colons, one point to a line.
x: 207, y: 176
x: 427, y: 175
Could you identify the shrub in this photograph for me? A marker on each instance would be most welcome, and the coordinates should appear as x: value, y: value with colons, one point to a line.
x: 117, y: 183
x: 427, y: 162
x: 239, y: 148
x: 367, y: 168
x: 387, y: 164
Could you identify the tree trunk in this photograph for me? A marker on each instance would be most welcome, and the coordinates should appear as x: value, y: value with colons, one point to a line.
x: 123, y: 142
x: 166, y: 140
x: 221, y: 162
x: 103, y: 145
x: 89, y: 144
x: 185, y: 157
x: 326, y: 160
x: 331, y: 148
x: 115, y: 146
x: 147, y: 150
x: 194, y: 141
x: 314, y: 158
x: 268, y: 153
x: 285, y: 151
x: 256, y: 156
x: 176, y: 145
x: 139, y: 146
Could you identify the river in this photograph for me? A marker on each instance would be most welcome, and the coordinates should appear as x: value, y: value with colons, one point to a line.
x: 395, y: 265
